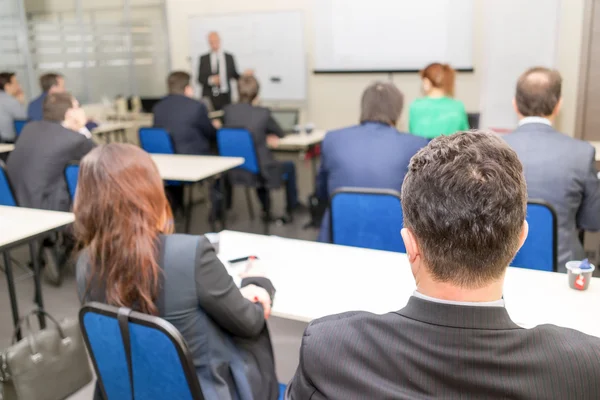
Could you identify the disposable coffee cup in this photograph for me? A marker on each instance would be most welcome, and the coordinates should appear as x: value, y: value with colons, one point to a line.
x: 214, y: 239
x: 579, y: 279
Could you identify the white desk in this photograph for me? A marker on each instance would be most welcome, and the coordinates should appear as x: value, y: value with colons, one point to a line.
x: 178, y: 167
x: 106, y: 130
x: 25, y: 225
x: 300, y: 141
x: 6, y: 147
x: 316, y: 279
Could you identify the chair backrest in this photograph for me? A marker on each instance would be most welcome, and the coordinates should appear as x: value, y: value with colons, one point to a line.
x: 369, y: 218
x: 237, y: 142
x: 540, y: 250
x: 19, y: 124
x: 473, y: 119
x: 7, y: 198
x: 71, y: 176
x: 161, y: 362
x: 156, y: 141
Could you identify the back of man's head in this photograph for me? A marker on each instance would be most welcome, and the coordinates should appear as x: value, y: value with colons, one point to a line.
x: 248, y: 88
x: 538, y: 92
x: 5, y: 78
x: 47, y: 81
x: 464, y: 199
x: 56, y: 106
x: 381, y: 102
x: 178, y: 82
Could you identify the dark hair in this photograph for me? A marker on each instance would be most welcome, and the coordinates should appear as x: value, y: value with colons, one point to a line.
x: 178, y: 81
x: 56, y: 105
x: 5, y: 78
x: 120, y: 209
x: 538, y: 92
x: 465, y: 199
x: 381, y: 102
x: 49, y: 80
x: 248, y: 89
x: 441, y: 76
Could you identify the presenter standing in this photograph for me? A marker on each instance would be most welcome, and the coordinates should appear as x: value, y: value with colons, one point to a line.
x: 217, y: 69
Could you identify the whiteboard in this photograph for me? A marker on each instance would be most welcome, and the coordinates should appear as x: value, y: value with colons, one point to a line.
x: 270, y: 43
x: 392, y: 35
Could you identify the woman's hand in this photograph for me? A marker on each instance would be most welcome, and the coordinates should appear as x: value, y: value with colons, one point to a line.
x: 257, y: 294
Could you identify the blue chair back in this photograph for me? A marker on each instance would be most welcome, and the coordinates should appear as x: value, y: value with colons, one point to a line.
x: 156, y: 141
x: 19, y: 124
x: 7, y: 197
x: 540, y: 250
x: 368, y: 218
x: 161, y: 362
x: 237, y: 142
x: 71, y: 176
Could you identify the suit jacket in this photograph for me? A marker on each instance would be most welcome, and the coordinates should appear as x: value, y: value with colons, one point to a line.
x: 205, y: 71
x: 37, y: 164
x: 259, y: 122
x: 431, y: 350
x: 369, y: 155
x: 227, y: 335
x: 187, y: 121
x: 561, y: 170
x: 35, y: 110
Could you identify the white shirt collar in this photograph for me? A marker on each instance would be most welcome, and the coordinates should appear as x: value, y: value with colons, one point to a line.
x: 496, y: 303
x: 535, y: 120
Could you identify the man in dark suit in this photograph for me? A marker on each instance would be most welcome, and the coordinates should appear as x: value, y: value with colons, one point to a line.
x: 217, y: 69
x: 464, y: 205
x: 559, y: 169
x: 373, y: 154
x: 265, y: 131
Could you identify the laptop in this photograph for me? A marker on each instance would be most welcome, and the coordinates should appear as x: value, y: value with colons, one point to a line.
x: 286, y: 118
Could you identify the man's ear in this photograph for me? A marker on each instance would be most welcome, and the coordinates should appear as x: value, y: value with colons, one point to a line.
x: 410, y: 242
x: 515, y: 107
x: 557, y: 108
x: 523, y: 234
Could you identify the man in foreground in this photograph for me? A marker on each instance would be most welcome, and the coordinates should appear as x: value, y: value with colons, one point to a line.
x: 464, y: 204
x: 558, y: 168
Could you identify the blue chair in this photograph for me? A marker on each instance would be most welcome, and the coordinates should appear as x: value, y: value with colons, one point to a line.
x: 540, y: 251
x: 19, y: 124
x: 71, y: 176
x: 368, y: 218
x: 7, y: 197
x: 156, y: 141
x: 160, y: 361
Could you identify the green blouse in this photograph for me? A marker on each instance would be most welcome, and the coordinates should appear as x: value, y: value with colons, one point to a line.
x: 433, y: 117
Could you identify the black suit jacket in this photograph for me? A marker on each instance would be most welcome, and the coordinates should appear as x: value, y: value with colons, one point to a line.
x: 260, y: 123
x: 187, y: 121
x: 37, y: 164
x: 432, y: 350
x: 205, y: 71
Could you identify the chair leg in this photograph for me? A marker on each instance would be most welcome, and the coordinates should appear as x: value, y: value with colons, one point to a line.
x: 249, y: 201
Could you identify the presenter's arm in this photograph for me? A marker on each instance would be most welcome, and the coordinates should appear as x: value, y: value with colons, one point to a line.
x: 204, y: 71
x: 234, y: 72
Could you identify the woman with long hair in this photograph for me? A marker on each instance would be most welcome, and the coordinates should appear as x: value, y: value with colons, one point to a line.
x: 131, y: 258
x: 438, y: 113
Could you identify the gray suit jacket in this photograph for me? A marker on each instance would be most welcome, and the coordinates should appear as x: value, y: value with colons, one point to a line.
x: 37, y: 164
x: 561, y: 170
x: 431, y: 350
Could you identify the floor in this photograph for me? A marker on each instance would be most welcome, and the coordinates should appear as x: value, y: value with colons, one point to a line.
x: 63, y: 302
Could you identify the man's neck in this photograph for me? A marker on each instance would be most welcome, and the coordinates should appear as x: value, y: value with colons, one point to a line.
x: 550, y: 118
x: 446, y: 291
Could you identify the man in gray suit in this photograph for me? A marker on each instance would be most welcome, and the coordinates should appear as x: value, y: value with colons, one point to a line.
x: 558, y: 169
x: 464, y: 203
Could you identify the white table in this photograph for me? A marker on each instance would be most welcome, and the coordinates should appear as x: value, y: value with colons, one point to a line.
x: 316, y: 279
x: 119, y: 129
x: 6, y: 147
x: 25, y: 225
x: 192, y: 169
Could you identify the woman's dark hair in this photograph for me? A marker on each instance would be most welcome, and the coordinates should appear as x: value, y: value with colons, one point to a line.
x: 441, y: 76
x: 120, y: 210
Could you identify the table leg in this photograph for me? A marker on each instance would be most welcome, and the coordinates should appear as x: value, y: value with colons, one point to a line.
x: 10, y: 280
x: 223, y: 201
x: 187, y: 208
x: 37, y: 281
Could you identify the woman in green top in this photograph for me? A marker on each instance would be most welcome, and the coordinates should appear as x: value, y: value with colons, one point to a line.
x: 437, y: 113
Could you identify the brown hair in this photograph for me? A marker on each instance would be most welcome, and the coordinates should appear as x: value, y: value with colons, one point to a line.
x: 441, y: 76
x: 5, y: 78
x: 538, y: 92
x: 120, y: 210
x: 49, y: 80
x: 381, y: 102
x: 248, y: 88
x: 56, y: 106
x: 464, y: 198
x: 178, y: 81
